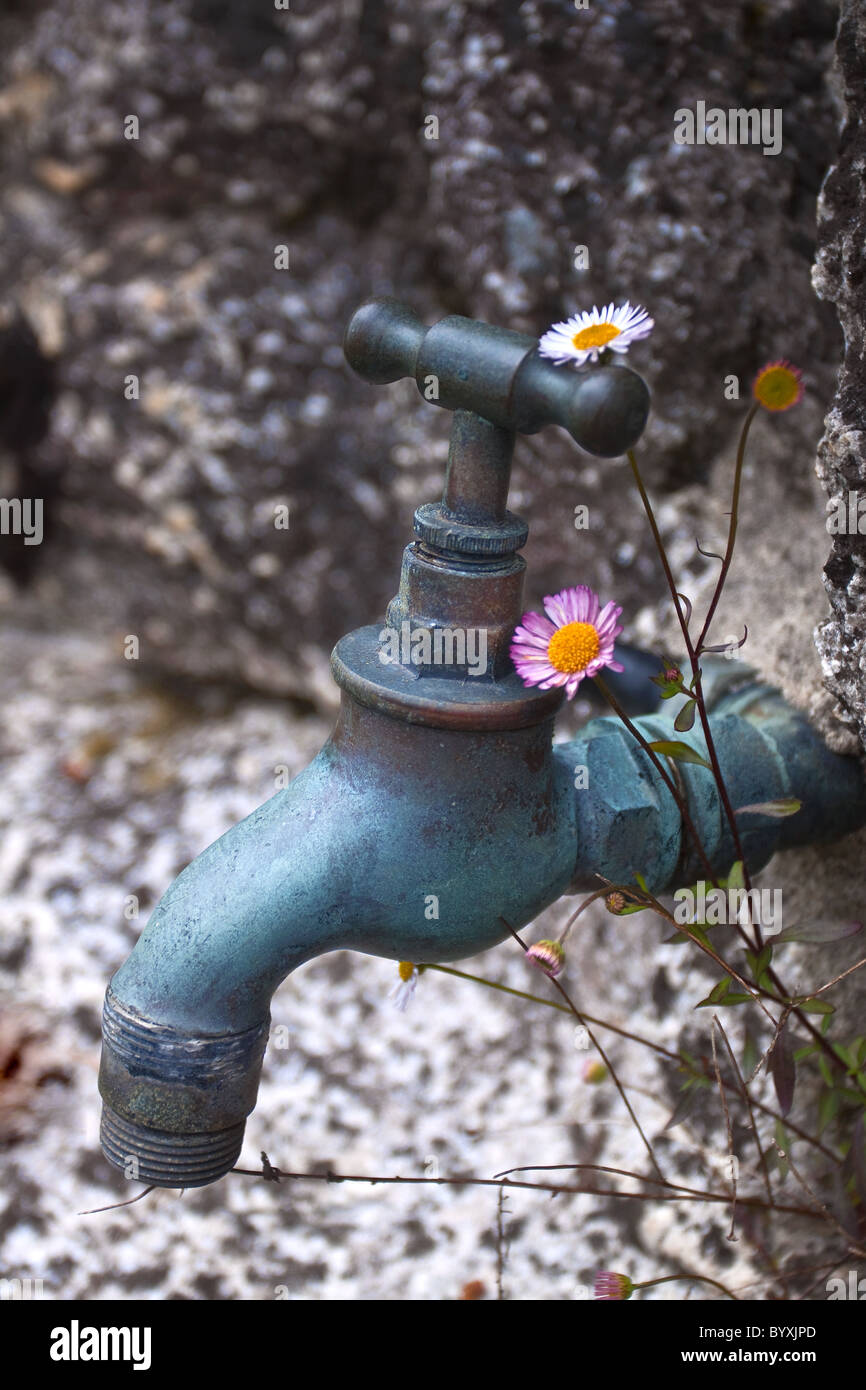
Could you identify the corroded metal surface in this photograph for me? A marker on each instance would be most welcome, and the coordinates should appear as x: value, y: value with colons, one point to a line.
x: 497, y: 374
x: 628, y: 822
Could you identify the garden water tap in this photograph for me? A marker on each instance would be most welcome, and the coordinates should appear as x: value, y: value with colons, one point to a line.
x: 441, y: 781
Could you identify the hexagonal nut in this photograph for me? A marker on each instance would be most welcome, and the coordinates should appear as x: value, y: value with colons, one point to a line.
x: 627, y: 822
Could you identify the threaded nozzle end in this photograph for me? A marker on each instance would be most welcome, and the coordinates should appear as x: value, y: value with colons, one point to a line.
x: 175, y: 1102
x: 168, y: 1160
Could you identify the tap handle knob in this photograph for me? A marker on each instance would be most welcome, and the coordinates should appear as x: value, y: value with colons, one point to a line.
x: 463, y: 364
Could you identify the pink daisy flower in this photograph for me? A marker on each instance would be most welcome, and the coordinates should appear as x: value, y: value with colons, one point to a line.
x: 613, y: 1287
x: 574, y: 640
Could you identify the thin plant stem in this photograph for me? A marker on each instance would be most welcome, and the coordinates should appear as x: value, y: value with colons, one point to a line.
x: 662, y: 771
x: 728, y: 1129
x: 632, y: 1037
x: 598, y: 893
x: 853, y: 1247
x: 501, y: 1245
x: 747, y: 1100
x: 558, y: 1189
x: 696, y: 1278
x: 594, y: 1167
x: 754, y: 993
x: 601, y: 1052
x: 694, y: 654
x: 94, y: 1211
x: 837, y: 978
x: 700, y: 701
x: 504, y: 989
x: 732, y: 525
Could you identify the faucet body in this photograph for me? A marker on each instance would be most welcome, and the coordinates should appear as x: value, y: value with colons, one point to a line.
x: 440, y: 813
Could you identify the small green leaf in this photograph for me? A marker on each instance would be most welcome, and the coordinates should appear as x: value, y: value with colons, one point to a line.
x: 668, y: 688
x: 691, y: 1064
x: 641, y: 882
x: 710, y: 554
x: 760, y: 963
x: 785, y: 806
x: 685, y: 1104
x: 675, y: 748
x: 828, y: 1105
x: 751, y: 1055
x: 686, y: 717
x: 735, y: 877
x: 784, y: 1071
x: 716, y: 994
x: 691, y: 932
x: 721, y: 997
x: 814, y: 1006
x: 818, y: 933
x: 845, y: 1056
x: 727, y: 646
x: 858, y: 1148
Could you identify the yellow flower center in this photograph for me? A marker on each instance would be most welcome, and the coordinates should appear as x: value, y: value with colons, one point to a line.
x: 777, y: 388
x: 597, y: 335
x: 572, y: 648
x: 406, y: 969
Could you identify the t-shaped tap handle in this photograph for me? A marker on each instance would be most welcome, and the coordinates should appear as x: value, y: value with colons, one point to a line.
x: 462, y: 364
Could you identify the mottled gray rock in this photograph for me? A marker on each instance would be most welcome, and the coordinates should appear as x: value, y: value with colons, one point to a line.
x: 307, y: 128
x: 838, y: 276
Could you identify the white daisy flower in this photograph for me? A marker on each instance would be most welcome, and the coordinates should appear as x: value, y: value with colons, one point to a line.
x: 405, y: 986
x: 581, y: 338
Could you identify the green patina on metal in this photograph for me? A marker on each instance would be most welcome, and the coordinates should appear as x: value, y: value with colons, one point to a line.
x: 440, y: 805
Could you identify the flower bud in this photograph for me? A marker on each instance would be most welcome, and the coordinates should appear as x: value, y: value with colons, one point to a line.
x: 547, y: 956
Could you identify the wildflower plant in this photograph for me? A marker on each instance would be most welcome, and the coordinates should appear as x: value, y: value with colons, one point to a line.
x: 574, y: 640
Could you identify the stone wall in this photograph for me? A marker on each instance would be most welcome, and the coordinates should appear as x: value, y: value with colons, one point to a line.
x: 838, y: 277
x: 307, y: 128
